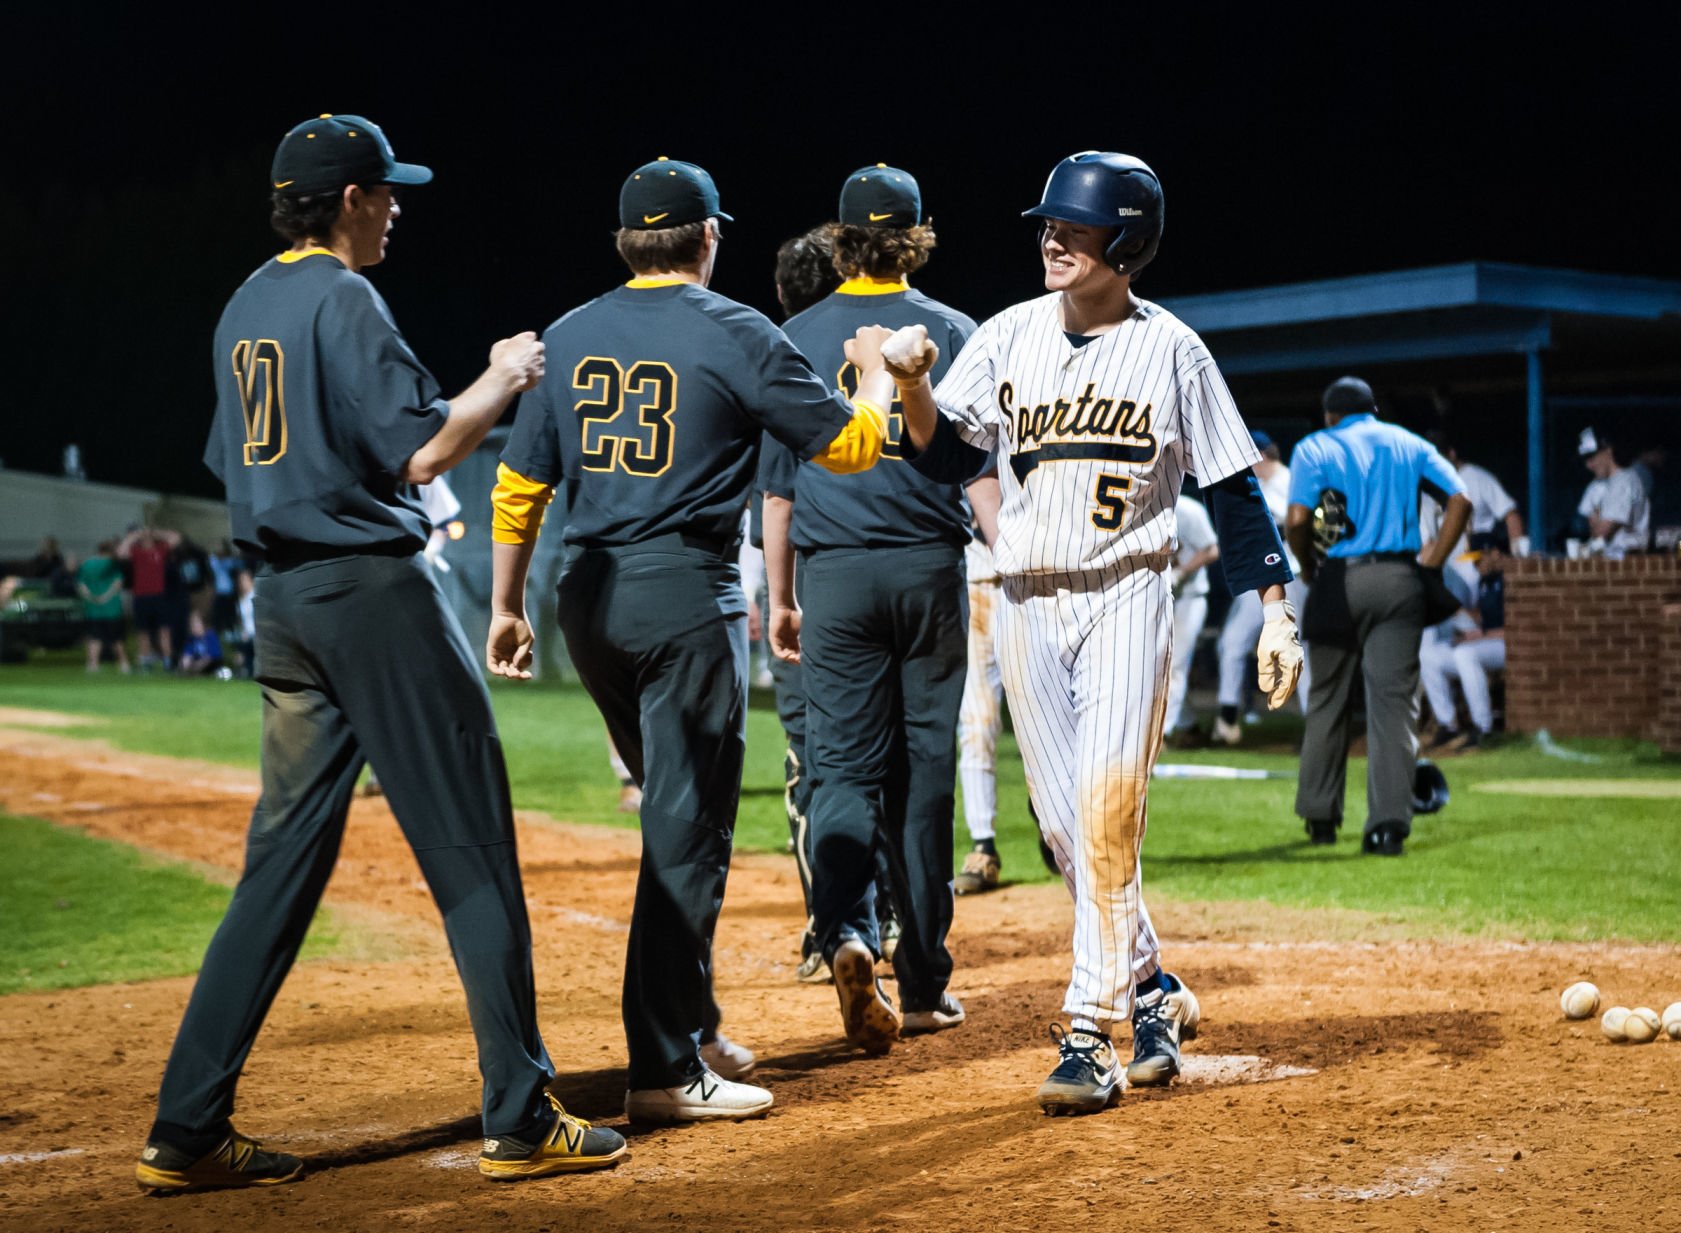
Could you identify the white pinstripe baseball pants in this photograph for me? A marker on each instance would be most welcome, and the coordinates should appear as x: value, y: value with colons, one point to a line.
x: 1085, y: 664
x: 981, y: 716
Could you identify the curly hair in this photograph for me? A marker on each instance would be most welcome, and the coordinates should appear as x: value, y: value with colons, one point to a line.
x: 305, y: 218
x: 880, y: 252
x: 805, y: 270
x: 660, y: 248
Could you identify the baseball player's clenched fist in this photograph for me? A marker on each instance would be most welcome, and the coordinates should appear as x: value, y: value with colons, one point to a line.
x: 1279, y: 656
x: 519, y: 361
x: 909, y: 353
x: 863, y: 349
x: 508, y: 649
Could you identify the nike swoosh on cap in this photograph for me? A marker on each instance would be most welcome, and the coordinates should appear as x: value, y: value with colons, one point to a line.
x: 876, y: 218
x: 653, y: 218
x: 283, y: 183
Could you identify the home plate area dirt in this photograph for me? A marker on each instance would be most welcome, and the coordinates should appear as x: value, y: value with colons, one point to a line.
x: 1346, y: 1076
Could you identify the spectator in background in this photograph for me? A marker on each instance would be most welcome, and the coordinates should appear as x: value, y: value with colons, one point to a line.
x: 147, y: 552
x: 99, y: 583
x: 1188, y: 578
x: 225, y: 567
x: 1615, y: 505
x: 1477, y: 646
x: 246, y: 606
x: 201, y: 653
x: 1491, y: 506
x: 48, y: 563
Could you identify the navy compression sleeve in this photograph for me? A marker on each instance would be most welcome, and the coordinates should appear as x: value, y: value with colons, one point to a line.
x: 1250, y: 550
x: 949, y: 459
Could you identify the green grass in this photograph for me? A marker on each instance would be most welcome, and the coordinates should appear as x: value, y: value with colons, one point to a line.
x: 81, y: 911
x: 1509, y: 866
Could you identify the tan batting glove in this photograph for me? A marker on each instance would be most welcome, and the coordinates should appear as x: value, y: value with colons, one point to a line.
x: 1279, y: 656
x: 909, y: 354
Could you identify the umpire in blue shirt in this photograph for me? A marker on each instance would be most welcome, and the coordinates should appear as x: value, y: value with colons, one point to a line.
x: 1353, y: 523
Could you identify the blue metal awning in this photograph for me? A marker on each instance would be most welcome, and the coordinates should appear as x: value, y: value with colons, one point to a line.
x: 1476, y: 308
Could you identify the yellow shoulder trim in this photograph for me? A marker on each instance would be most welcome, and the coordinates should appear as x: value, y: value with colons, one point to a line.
x: 856, y: 446
x: 662, y: 280
x: 517, y: 506
x: 298, y: 254
x: 865, y: 285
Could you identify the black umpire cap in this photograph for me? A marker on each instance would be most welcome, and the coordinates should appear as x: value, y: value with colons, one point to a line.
x: 330, y: 151
x: 1348, y: 396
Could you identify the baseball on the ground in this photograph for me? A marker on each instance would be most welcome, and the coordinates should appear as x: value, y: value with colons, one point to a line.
x: 1641, y: 1025
x: 1672, y: 1020
x: 1579, y: 1001
x: 1611, y: 1023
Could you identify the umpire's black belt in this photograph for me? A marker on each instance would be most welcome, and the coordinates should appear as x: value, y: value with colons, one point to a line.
x: 1373, y: 558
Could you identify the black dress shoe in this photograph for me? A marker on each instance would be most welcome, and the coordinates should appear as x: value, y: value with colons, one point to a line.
x: 1321, y: 832
x: 1385, y: 840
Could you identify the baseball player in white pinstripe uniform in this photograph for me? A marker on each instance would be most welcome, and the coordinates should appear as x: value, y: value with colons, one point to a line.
x: 1098, y: 404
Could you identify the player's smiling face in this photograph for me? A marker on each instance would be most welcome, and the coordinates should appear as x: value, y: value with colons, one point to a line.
x: 1073, y: 255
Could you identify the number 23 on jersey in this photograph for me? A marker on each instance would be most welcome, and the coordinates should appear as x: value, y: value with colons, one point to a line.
x: 625, y: 419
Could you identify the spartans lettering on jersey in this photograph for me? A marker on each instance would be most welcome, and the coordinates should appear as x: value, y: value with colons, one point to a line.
x: 1118, y: 429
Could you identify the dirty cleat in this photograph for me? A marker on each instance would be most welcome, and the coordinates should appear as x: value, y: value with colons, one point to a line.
x: 869, y: 1018
x: 813, y: 971
x: 705, y: 1098
x: 890, y: 931
x: 725, y: 1058
x: 1227, y: 733
x: 630, y: 799
x: 979, y: 873
x: 948, y: 1014
x: 237, y: 1162
x: 571, y: 1145
x: 1160, y: 1020
x: 1087, y: 1078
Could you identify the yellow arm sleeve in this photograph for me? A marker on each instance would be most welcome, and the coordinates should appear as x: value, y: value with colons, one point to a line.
x: 857, y: 446
x: 517, y: 506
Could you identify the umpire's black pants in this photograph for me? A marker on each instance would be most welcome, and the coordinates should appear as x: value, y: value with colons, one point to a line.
x: 658, y: 635
x: 884, y: 648
x: 360, y: 658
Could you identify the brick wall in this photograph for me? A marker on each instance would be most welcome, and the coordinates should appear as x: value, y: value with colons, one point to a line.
x: 1593, y: 647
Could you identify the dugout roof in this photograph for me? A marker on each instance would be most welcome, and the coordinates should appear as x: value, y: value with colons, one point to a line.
x: 1570, y: 340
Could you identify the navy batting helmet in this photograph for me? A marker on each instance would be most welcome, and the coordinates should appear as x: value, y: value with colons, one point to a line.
x: 1103, y: 189
x: 1430, y: 787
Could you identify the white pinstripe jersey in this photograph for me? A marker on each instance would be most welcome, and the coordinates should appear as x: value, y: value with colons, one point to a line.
x: 1098, y: 438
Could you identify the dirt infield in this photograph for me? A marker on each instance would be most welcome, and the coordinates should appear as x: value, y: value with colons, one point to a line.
x: 1345, y: 1077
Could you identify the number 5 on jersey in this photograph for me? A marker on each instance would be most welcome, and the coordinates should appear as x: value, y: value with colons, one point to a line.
x: 1110, y: 496
x: 259, y: 370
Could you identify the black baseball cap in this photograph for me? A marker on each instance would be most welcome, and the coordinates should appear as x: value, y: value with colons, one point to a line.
x: 330, y: 151
x: 1349, y: 396
x: 668, y: 193
x: 880, y: 196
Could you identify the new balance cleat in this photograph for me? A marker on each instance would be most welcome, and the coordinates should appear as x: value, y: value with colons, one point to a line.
x: 723, y: 1057
x: 948, y: 1014
x: 1160, y: 1021
x: 571, y: 1145
x: 813, y: 971
x: 869, y: 1018
x: 705, y: 1098
x: 239, y: 1161
x: 1087, y: 1078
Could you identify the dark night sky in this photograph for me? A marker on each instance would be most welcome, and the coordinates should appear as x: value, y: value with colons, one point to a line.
x: 1295, y: 147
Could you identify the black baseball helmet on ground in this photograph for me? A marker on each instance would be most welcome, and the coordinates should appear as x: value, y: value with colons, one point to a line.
x: 1103, y: 189
x: 1430, y: 787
